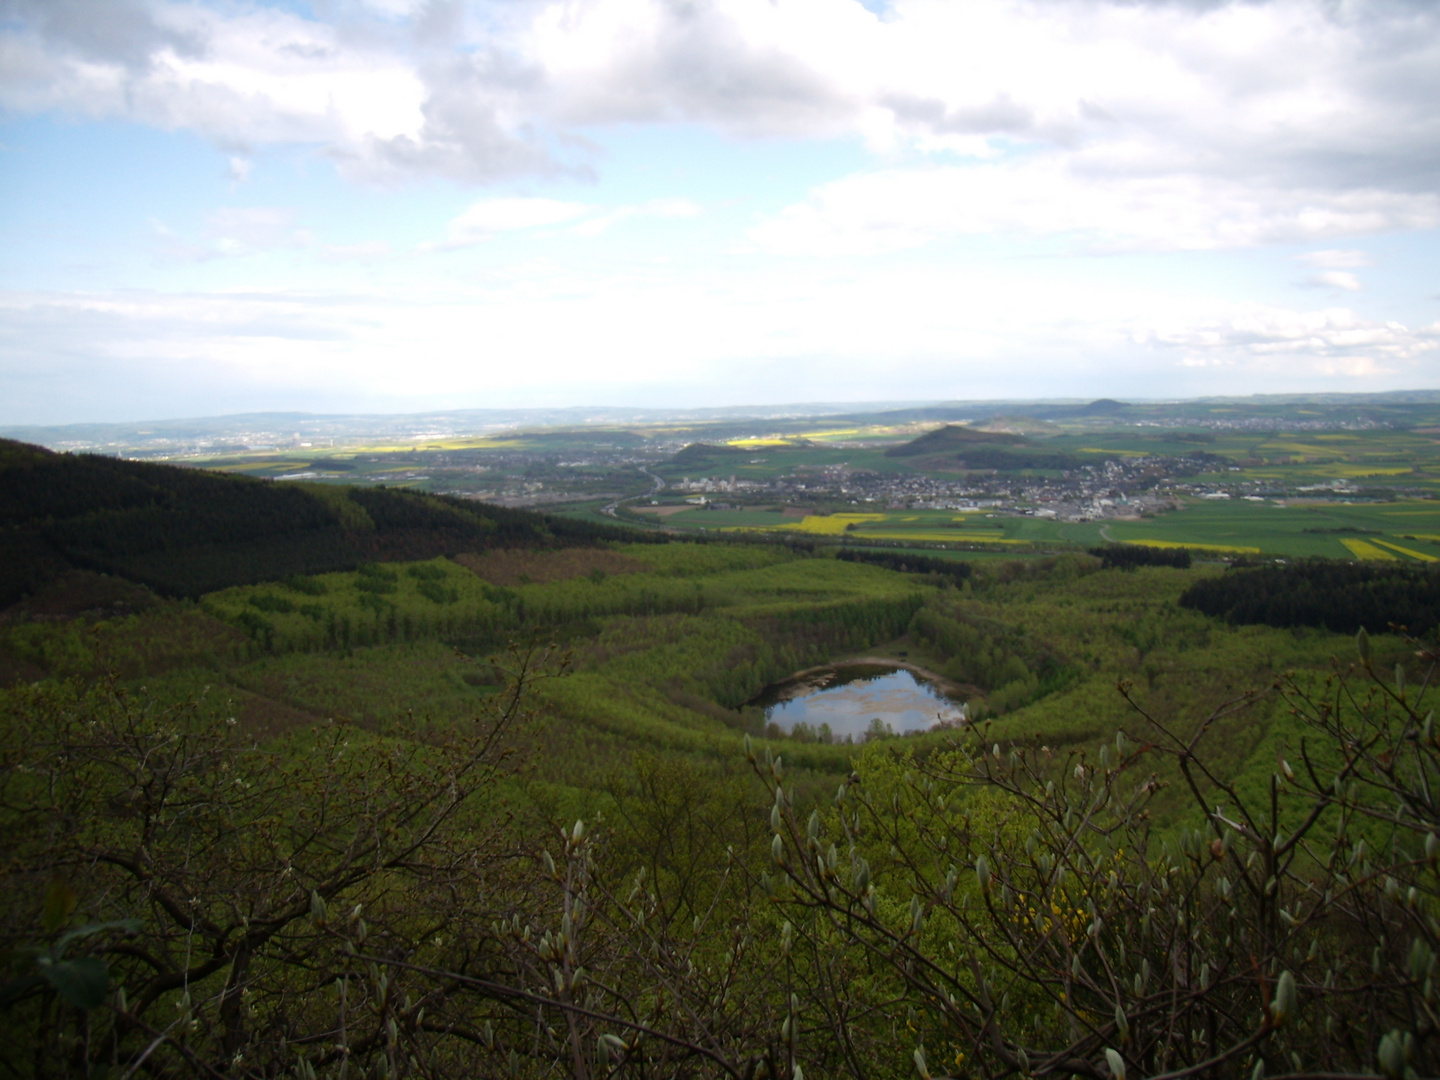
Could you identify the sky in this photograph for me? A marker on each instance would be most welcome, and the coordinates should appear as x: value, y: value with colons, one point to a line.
x: 210, y: 208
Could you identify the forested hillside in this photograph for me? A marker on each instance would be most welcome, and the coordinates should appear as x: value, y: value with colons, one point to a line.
x: 1344, y: 597
x: 185, y: 532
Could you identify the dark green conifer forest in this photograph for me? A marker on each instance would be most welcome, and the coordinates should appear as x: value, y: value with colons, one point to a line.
x: 319, y: 781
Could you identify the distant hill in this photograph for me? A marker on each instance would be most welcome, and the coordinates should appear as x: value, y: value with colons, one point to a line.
x: 970, y: 448
x: 1103, y: 407
x: 185, y: 532
x: 706, y: 454
x: 953, y: 437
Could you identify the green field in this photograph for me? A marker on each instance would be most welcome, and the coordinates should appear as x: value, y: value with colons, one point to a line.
x: 1408, y: 531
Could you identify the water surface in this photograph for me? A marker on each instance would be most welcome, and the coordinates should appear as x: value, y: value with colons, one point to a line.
x: 850, y: 699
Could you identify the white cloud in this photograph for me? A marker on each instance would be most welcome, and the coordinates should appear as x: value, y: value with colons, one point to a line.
x: 1112, y: 125
x: 499, y: 215
x: 1337, y: 260
x: 490, y: 216
x: 235, y: 231
x: 1332, y: 341
x: 898, y: 209
x: 365, y: 250
x: 1308, y: 100
x: 525, y: 333
x: 1334, y: 279
x: 659, y: 208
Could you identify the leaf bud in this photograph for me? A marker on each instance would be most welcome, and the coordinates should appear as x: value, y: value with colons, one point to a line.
x: 614, y: 1044
x: 1420, y: 957
x: 317, y: 907
x: 982, y: 873
x: 1286, y: 999
x: 777, y: 849
x: 1391, y: 1055
x: 1362, y: 646
x: 920, y: 1066
x: 1116, y: 1063
x: 549, y: 861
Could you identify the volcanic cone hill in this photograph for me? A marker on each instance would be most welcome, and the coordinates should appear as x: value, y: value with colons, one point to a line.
x: 957, y: 446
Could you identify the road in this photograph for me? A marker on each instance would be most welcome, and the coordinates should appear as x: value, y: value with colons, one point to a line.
x: 610, y: 508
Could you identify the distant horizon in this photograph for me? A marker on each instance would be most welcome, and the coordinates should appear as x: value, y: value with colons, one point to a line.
x: 497, y: 418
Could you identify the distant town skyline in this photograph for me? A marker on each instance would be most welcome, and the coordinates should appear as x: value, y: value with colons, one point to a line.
x: 211, y: 208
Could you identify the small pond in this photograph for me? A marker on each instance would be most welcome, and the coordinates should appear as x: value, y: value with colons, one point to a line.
x: 851, y: 698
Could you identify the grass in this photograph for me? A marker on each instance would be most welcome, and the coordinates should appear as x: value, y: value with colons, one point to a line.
x: 1294, y: 530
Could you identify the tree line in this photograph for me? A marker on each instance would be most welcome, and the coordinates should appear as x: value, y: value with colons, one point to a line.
x: 909, y: 563
x: 1130, y: 556
x: 1339, y: 596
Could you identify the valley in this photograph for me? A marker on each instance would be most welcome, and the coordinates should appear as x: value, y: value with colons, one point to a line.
x: 773, y: 737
